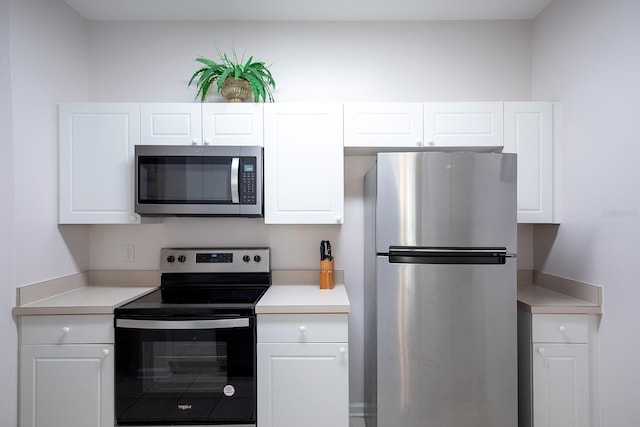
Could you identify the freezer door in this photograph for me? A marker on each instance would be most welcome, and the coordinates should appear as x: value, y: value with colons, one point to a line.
x: 445, y: 199
x: 446, y: 344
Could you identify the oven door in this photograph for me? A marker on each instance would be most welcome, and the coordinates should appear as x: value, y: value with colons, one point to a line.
x: 198, y: 180
x: 185, y: 372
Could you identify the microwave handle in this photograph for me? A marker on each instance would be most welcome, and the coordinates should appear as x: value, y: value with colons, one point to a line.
x: 235, y: 167
x: 242, y: 322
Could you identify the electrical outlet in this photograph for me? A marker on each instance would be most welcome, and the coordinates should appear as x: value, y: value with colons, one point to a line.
x: 129, y: 252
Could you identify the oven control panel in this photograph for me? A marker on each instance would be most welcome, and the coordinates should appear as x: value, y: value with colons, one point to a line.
x: 214, y: 260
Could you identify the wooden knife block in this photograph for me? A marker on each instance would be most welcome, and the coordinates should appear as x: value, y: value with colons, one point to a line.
x: 326, y: 274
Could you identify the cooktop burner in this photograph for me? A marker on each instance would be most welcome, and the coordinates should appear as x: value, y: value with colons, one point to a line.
x: 205, y: 282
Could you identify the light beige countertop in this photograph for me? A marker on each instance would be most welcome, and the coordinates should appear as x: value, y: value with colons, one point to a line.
x: 99, y: 292
x: 84, y: 293
x: 540, y: 293
x: 86, y: 300
x: 299, y: 292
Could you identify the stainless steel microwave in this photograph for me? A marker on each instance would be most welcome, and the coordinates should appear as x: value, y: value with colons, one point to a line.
x: 201, y: 180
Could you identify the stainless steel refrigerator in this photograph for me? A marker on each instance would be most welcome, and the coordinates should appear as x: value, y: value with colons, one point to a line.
x: 440, y: 290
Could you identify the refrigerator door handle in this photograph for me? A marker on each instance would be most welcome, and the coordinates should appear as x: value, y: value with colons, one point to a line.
x: 447, y: 255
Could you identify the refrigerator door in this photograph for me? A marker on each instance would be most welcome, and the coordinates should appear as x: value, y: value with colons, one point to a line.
x: 446, y: 200
x: 446, y: 344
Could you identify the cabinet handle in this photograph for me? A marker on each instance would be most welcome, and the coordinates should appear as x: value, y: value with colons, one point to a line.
x: 430, y: 143
x: 207, y: 141
x: 418, y: 143
x: 541, y: 350
x: 338, y: 219
x: 194, y: 141
x: 66, y: 330
x: 106, y: 352
x: 342, y: 350
x: 562, y: 328
x: 303, y: 329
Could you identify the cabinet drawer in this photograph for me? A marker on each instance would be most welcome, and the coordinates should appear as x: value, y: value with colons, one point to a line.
x: 300, y: 328
x: 560, y: 328
x: 74, y: 329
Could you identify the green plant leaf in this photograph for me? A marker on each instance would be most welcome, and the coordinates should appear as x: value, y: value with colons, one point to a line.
x: 223, y: 77
x: 208, y: 62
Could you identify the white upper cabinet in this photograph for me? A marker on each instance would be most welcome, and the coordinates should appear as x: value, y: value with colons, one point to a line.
x: 171, y: 124
x: 529, y: 133
x: 96, y: 176
x: 233, y: 123
x: 463, y: 124
x: 392, y: 125
x: 303, y: 164
x: 202, y: 124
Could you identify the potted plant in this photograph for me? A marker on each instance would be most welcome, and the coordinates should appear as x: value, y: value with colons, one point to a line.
x: 235, y: 79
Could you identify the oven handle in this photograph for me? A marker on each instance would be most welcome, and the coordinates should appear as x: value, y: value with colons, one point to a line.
x: 235, y: 168
x: 182, y: 324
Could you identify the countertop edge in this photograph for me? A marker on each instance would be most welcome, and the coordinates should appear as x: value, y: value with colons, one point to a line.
x: 306, y: 309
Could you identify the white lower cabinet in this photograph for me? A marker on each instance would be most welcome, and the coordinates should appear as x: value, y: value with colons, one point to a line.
x: 554, y: 370
x: 303, y: 370
x: 66, y: 371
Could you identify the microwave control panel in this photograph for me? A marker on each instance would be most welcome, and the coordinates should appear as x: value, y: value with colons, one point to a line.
x: 248, y: 181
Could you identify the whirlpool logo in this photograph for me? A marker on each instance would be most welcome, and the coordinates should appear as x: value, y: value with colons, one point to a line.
x: 184, y: 407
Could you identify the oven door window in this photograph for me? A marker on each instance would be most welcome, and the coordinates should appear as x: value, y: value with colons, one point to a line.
x: 182, y: 376
x: 184, y: 179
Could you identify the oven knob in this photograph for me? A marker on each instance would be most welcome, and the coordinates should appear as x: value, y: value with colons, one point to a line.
x: 171, y: 258
x: 257, y: 258
x: 182, y: 258
x: 246, y: 258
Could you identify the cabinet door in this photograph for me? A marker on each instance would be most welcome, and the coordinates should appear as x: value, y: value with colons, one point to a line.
x: 304, y: 173
x: 560, y: 385
x: 171, y: 124
x: 463, y: 124
x: 96, y: 170
x: 233, y: 124
x: 303, y: 385
x: 385, y: 125
x: 66, y: 386
x: 529, y: 133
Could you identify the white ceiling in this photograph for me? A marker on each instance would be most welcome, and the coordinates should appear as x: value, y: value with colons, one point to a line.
x: 304, y: 10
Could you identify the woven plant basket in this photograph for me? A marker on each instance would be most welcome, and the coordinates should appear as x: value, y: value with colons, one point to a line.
x: 236, y: 90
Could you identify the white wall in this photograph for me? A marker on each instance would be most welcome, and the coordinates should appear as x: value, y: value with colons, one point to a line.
x: 42, y: 61
x: 49, y: 65
x: 8, y: 350
x: 585, y: 54
x: 312, y: 61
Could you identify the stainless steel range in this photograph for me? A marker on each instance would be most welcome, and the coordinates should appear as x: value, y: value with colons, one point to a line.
x: 186, y: 353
